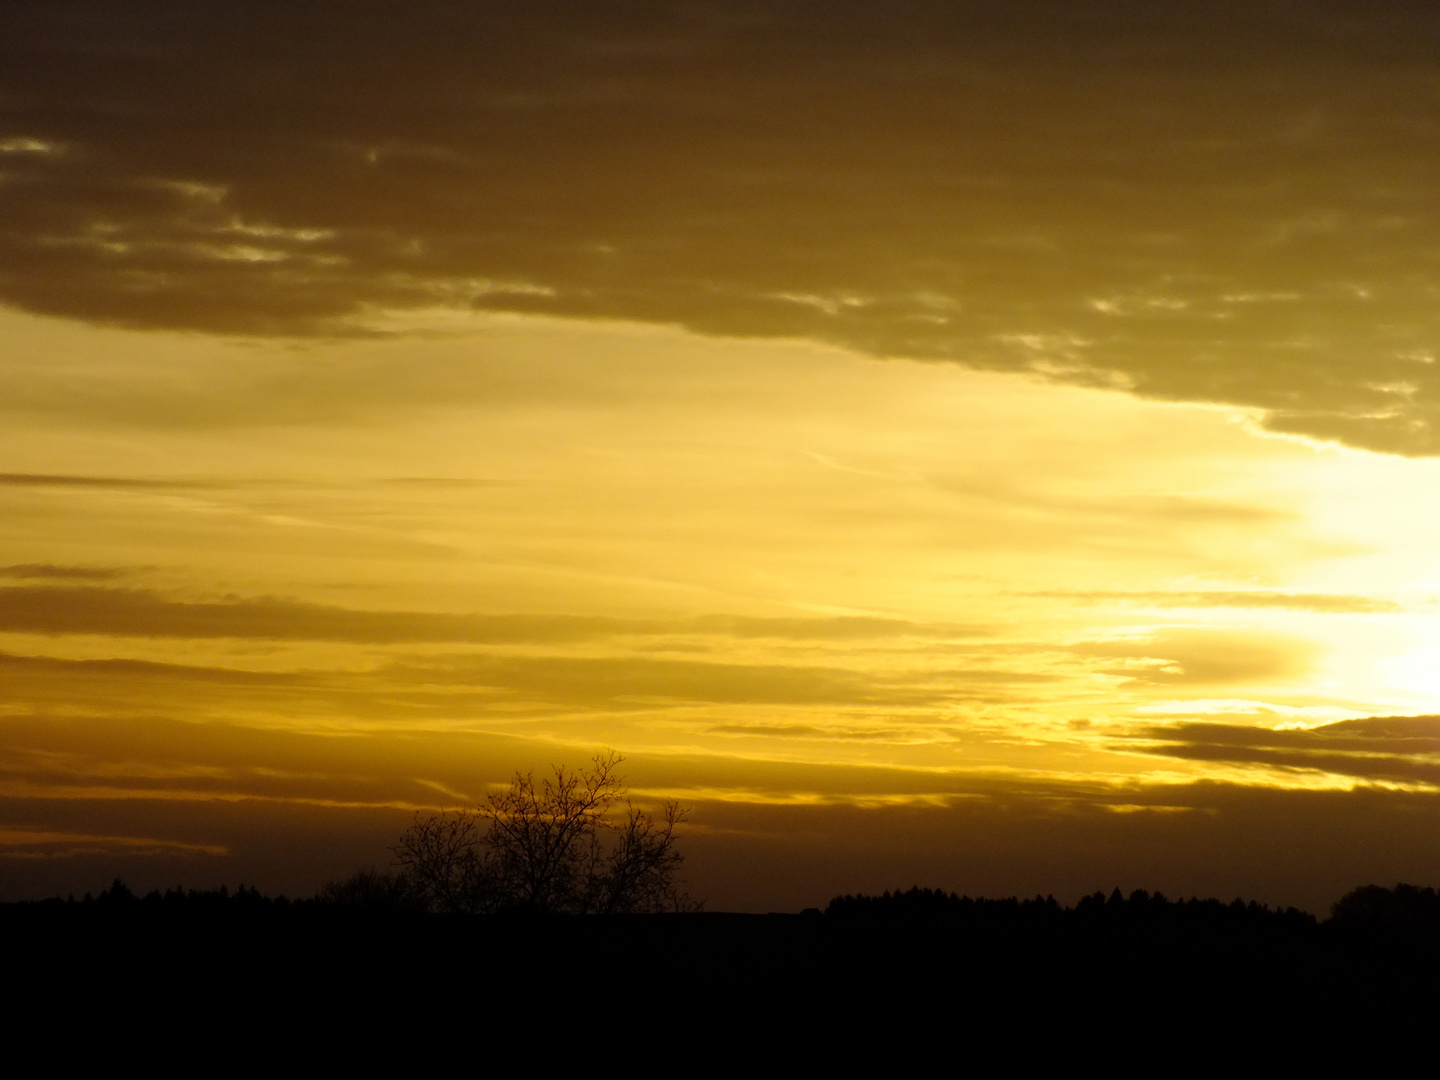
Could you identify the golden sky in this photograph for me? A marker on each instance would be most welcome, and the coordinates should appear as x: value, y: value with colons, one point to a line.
x: 977, y: 445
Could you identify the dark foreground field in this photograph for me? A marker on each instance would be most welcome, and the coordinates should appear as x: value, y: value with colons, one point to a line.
x: 919, y: 957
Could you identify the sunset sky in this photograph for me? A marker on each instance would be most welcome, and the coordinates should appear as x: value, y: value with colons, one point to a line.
x: 993, y: 446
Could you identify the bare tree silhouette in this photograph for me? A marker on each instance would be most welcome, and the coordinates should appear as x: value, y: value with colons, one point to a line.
x: 443, y: 865
x: 573, y: 843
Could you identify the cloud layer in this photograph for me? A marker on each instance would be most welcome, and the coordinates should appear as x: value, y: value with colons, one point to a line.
x: 1220, y: 202
x: 1394, y: 749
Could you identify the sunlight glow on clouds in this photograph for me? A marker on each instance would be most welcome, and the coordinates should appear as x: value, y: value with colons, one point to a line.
x: 973, y: 429
x: 720, y: 551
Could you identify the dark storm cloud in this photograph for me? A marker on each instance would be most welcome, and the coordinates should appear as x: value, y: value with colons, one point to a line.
x: 1202, y: 201
x: 1400, y: 749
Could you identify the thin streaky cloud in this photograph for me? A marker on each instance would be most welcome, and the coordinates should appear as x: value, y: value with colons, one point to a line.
x: 120, y: 482
x: 83, y: 609
x: 1338, y: 603
x: 50, y: 571
x: 1376, y: 749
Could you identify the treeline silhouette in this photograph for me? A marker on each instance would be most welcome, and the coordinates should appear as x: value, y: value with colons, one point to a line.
x: 1404, y: 911
x: 925, y: 951
x: 1101, y: 931
x: 1140, y: 912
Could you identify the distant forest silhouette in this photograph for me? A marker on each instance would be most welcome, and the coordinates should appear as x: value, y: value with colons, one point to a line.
x: 564, y: 885
x: 1405, y: 915
x: 917, y: 952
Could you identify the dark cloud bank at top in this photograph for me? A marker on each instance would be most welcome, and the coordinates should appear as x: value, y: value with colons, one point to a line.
x: 1220, y: 201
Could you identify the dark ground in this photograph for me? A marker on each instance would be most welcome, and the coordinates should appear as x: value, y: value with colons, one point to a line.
x: 920, y: 959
